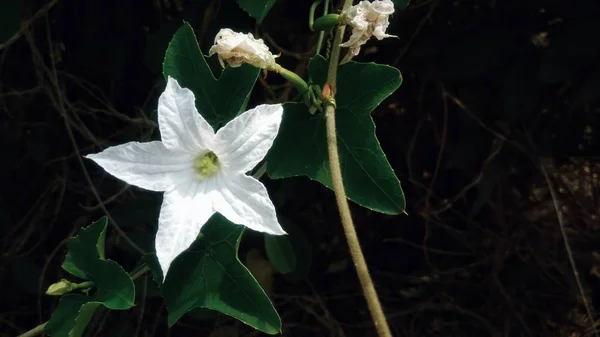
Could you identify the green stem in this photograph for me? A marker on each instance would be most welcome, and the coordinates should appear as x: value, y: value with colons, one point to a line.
x: 311, y: 13
x: 35, y: 331
x: 83, y: 285
x: 360, y: 264
x: 139, y: 271
x: 321, y: 33
x: 292, y: 77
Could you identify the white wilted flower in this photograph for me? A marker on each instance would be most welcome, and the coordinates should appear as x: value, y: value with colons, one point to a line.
x: 200, y: 172
x: 367, y: 19
x: 238, y: 48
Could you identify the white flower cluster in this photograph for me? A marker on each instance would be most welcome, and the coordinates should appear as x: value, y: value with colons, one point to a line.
x: 367, y: 19
x: 238, y: 48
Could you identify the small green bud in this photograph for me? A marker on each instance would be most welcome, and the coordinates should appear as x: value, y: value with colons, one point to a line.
x: 60, y: 288
x: 327, y: 22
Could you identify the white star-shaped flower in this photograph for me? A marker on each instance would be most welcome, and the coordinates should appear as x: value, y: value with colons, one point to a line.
x: 200, y: 172
x: 367, y: 19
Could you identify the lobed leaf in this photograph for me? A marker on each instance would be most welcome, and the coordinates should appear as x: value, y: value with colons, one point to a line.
x: 114, y: 288
x: 210, y: 275
x: 301, y: 145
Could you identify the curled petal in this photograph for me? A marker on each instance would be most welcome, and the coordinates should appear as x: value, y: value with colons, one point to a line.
x: 147, y: 165
x: 181, y: 126
x: 238, y: 48
x: 367, y: 19
x: 244, y: 200
x: 383, y: 7
x: 357, y: 40
x: 183, y: 213
x: 245, y: 140
x: 380, y: 34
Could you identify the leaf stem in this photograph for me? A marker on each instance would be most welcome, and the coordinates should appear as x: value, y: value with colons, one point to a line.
x: 35, y: 331
x: 358, y: 258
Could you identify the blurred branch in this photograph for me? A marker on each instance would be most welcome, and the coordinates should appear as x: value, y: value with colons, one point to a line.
x: 25, y: 25
x: 543, y: 167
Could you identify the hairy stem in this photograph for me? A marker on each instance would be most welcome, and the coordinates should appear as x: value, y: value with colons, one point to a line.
x: 358, y: 258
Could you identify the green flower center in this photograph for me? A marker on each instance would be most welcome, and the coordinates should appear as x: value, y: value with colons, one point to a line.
x: 206, y: 165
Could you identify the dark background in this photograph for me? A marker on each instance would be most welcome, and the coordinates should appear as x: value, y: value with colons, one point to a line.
x: 495, y: 93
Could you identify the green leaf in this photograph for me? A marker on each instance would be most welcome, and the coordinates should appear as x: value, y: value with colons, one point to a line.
x: 203, y: 314
x: 401, y: 3
x: 302, y: 249
x: 218, y: 100
x: 156, y: 44
x: 94, y: 235
x: 71, y: 317
x: 114, y: 288
x: 257, y: 9
x: 301, y: 145
x: 280, y: 253
x: 210, y: 275
x: 289, y: 254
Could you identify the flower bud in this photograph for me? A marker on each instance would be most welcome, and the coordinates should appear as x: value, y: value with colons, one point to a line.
x: 367, y: 19
x: 60, y: 288
x: 238, y: 48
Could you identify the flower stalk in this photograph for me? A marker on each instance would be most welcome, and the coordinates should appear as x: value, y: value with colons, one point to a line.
x: 358, y: 258
x: 309, y: 92
x: 291, y: 77
x: 63, y: 287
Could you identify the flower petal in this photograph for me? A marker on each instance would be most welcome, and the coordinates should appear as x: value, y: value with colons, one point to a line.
x: 181, y: 126
x: 245, y: 140
x: 367, y: 19
x: 238, y: 48
x: 244, y: 200
x: 147, y: 165
x: 357, y: 39
x: 383, y: 7
x: 183, y: 213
